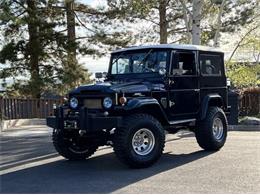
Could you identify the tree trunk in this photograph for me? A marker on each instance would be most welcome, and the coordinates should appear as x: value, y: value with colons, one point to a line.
x: 71, y: 50
x: 71, y: 28
x: 196, y: 32
x: 163, y: 22
x: 218, y: 25
x: 187, y: 16
x: 34, y: 49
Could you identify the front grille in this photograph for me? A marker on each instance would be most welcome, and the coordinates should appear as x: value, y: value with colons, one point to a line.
x: 93, y: 103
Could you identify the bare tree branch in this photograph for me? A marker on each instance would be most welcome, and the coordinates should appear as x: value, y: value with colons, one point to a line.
x: 241, y: 40
x: 150, y: 20
x: 185, y: 7
x: 83, y: 23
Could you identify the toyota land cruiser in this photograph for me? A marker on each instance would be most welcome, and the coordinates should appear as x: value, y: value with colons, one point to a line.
x: 148, y: 90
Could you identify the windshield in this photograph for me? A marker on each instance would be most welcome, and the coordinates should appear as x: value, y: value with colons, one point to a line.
x: 139, y: 62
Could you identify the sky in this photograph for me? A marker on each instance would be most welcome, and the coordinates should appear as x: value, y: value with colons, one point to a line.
x: 97, y: 64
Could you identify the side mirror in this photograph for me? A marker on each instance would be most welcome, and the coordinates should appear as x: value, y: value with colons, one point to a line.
x: 99, y: 75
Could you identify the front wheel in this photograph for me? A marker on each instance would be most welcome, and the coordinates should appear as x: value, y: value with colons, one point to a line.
x: 212, y: 131
x: 140, y: 141
x: 72, y: 147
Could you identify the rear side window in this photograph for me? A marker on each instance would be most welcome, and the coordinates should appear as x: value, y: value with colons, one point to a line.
x: 184, y: 64
x: 211, y: 65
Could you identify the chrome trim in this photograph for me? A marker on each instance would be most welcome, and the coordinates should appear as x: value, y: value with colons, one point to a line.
x: 218, y: 128
x: 116, y: 97
x: 143, y: 142
x: 182, y: 121
x: 172, y: 90
x: 171, y: 58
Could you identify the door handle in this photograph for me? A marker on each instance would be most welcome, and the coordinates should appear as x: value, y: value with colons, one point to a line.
x: 196, y: 90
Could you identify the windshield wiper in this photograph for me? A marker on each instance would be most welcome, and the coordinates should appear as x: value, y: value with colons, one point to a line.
x: 147, y: 54
x: 114, y: 61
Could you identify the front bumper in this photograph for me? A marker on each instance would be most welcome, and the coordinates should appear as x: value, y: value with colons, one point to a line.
x: 83, y: 121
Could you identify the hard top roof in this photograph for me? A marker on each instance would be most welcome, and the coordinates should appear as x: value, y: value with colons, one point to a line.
x: 170, y: 46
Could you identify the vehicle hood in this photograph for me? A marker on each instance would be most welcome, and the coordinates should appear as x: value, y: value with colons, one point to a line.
x: 117, y: 87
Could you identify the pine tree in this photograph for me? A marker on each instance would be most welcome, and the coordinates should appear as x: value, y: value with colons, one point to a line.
x: 41, y: 45
x: 164, y: 17
x: 104, y: 29
x: 32, y: 48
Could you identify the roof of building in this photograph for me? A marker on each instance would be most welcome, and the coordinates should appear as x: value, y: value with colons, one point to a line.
x: 171, y: 46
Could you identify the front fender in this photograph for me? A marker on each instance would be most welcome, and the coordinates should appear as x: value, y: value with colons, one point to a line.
x: 146, y: 105
x: 139, y: 102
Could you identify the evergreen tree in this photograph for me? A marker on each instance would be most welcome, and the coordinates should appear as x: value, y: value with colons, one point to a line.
x: 164, y: 18
x: 102, y: 29
x: 32, y: 47
x: 40, y: 43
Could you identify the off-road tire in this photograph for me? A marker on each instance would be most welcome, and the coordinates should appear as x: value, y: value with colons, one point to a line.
x: 62, y: 147
x: 204, y: 132
x: 123, y: 140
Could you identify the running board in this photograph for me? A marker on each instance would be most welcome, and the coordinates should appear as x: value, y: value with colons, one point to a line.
x: 182, y: 121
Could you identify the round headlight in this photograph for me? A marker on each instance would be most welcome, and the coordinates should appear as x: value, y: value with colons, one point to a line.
x: 74, y: 102
x: 107, y: 102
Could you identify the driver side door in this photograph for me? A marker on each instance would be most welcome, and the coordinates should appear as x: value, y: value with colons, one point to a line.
x: 184, y: 92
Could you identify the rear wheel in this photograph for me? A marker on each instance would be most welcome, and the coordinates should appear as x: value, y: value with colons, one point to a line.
x: 212, y: 131
x: 71, y: 147
x: 140, y: 141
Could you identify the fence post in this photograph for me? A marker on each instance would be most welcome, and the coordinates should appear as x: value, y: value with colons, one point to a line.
x: 1, y: 114
x: 258, y: 103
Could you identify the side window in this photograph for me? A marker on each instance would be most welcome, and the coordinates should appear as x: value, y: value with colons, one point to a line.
x: 184, y: 64
x: 121, y: 66
x: 210, y: 65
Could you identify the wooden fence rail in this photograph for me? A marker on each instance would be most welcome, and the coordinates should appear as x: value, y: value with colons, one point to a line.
x: 17, y: 108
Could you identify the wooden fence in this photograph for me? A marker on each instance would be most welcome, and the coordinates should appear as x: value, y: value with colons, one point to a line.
x: 249, y: 104
x: 17, y: 108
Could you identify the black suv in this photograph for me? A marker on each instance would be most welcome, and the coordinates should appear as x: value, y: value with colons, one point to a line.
x: 148, y: 89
